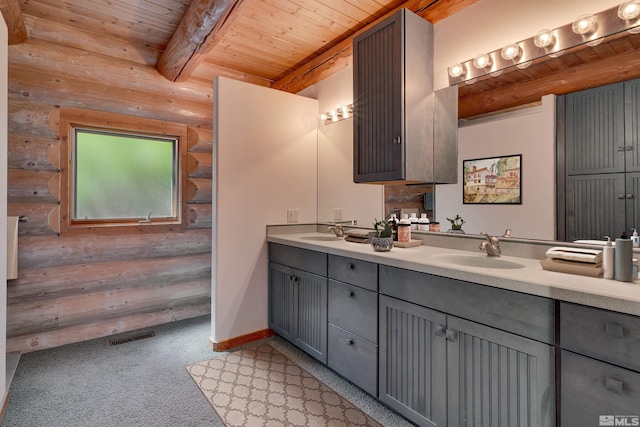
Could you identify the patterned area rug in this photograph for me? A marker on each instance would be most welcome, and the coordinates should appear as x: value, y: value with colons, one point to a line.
x: 261, y: 387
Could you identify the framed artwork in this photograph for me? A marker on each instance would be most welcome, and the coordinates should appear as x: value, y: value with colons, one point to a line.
x: 492, y: 180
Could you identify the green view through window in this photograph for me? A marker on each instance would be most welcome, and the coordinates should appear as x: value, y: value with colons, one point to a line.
x: 119, y: 176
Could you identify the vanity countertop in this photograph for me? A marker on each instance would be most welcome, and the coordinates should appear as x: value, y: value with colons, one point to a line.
x: 473, y: 266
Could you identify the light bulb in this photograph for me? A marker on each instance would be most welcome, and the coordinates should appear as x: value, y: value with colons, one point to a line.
x: 629, y: 10
x: 544, y: 38
x: 457, y: 70
x: 510, y: 52
x: 523, y: 65
x: 584, y: 24
x: 482, y: 60
x: 345, y: 111
x: 324, y: 116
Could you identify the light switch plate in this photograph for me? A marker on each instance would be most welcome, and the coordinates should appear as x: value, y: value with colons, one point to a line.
x: 337, y: 214
x: 292, y: 215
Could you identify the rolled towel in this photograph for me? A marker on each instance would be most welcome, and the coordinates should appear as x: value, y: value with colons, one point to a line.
x: 591, y: 256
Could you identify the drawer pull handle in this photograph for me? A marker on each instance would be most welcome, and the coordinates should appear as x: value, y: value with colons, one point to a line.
x: 614, y: 330
x: 439, y: 331
x: 612, y: 385
x: 350, y: 342
x: 350, y: 294
x: 351, y: 266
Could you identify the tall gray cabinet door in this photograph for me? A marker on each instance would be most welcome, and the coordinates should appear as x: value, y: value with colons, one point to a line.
x: 281, y: 298
x: 377, y: 98
x: 595, y: 206
x: 632, y: 125
x: 498, y: 379
x: 310, y: 313
x: 595, y: 130
x: 632, y: 195
x: 412, y: 361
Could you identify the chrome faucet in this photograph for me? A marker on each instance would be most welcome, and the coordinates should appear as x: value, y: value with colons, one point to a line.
x: 337, y: 229
x: 492, y: 245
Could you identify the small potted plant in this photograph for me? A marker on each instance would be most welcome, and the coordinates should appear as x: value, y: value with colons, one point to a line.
x: 456, y: 224
x: 382, y: 241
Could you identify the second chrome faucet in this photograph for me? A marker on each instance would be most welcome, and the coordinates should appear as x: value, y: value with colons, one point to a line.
x: 492, y: 244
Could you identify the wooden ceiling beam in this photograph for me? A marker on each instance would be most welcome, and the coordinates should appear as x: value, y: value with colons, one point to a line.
x: 610, y: 70
x: 12, y: 14
x: 202, y: 26
x: 340, y: 56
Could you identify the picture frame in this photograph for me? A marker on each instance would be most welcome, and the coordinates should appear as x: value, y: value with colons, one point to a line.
x: 492, y: 180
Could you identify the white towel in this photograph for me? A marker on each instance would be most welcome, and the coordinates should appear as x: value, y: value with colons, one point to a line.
x: 12, y: 247
x: 592, y: 256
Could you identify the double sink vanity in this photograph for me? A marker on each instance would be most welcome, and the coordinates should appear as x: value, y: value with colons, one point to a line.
x: 447, y: 336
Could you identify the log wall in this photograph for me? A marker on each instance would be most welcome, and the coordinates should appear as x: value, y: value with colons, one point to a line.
x: 71, y: 289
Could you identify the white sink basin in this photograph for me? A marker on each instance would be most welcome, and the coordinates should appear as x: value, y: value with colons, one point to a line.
x: 480, y: 261
x: 327, y: 238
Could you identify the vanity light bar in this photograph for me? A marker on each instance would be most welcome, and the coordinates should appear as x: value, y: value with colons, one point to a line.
x: 586, y: 29
x: 340, y: 113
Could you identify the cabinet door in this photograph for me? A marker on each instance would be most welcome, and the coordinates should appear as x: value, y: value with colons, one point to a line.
x: 498, y: 379
x: 377, y: 92
x: 281, y: 300
x: 595, y: 206
x: 632, y: 199
x: 412, y: 361
x: 310, y: 312
x: 595, y: 130
x: 632, y: 125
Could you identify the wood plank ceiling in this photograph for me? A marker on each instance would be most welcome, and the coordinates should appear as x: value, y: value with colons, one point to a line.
x: 289, y: 44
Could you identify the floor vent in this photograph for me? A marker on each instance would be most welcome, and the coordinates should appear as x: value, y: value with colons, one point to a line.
x: 133, y: 338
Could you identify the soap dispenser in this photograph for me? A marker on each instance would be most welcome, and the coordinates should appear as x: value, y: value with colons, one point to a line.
x: 608, y: 259
x: 635, y: 239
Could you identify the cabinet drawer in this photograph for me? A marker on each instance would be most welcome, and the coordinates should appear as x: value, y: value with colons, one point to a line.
x: 606, y: 335
x: 302, y: 259
x: 354, y: 358
x: 354, y: 309
x: 527, y: 315
x: 354, y: 272
x: 590, y: 388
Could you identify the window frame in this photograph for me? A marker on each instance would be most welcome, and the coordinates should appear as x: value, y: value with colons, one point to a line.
x: 72, y: 118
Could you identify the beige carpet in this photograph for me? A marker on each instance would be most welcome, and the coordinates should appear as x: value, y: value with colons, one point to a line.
x: 261, y: 387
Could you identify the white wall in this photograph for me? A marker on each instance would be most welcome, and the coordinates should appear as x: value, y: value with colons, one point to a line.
x: 491, y: 24
x: 530, y: 132
x: 336, y: 189
x: 264, y: 162
x: 3, y: 203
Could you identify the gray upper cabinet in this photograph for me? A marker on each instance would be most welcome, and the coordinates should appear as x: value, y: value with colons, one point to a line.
x: 402, y: 130
x: 599, y: 162
x: 595, y: 137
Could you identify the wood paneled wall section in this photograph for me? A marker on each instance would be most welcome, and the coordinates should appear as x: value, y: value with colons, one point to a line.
x: 71, y: 289
x: 398, y: 197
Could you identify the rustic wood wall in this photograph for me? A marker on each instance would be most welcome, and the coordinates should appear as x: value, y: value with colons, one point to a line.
x: 76, y: 288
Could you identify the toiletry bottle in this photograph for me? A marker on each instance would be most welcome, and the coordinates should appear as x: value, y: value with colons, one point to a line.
x: 635, y: 239
x: 414, y: 221
x: 423, y: 222
x: 608, y: 259
x: 394, y: 226
x: 404, y: 229
x: 623, y: 260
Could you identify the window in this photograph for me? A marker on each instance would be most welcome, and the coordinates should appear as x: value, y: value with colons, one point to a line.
x: 124, y: 173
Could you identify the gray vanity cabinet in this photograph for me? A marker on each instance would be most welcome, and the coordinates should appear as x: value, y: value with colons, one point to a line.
x: 412, y: 370
x: 600, y: 365
x: 353, y: 321
x: 298, y: 298
x: 437, y: 368
x: 496, y: 378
